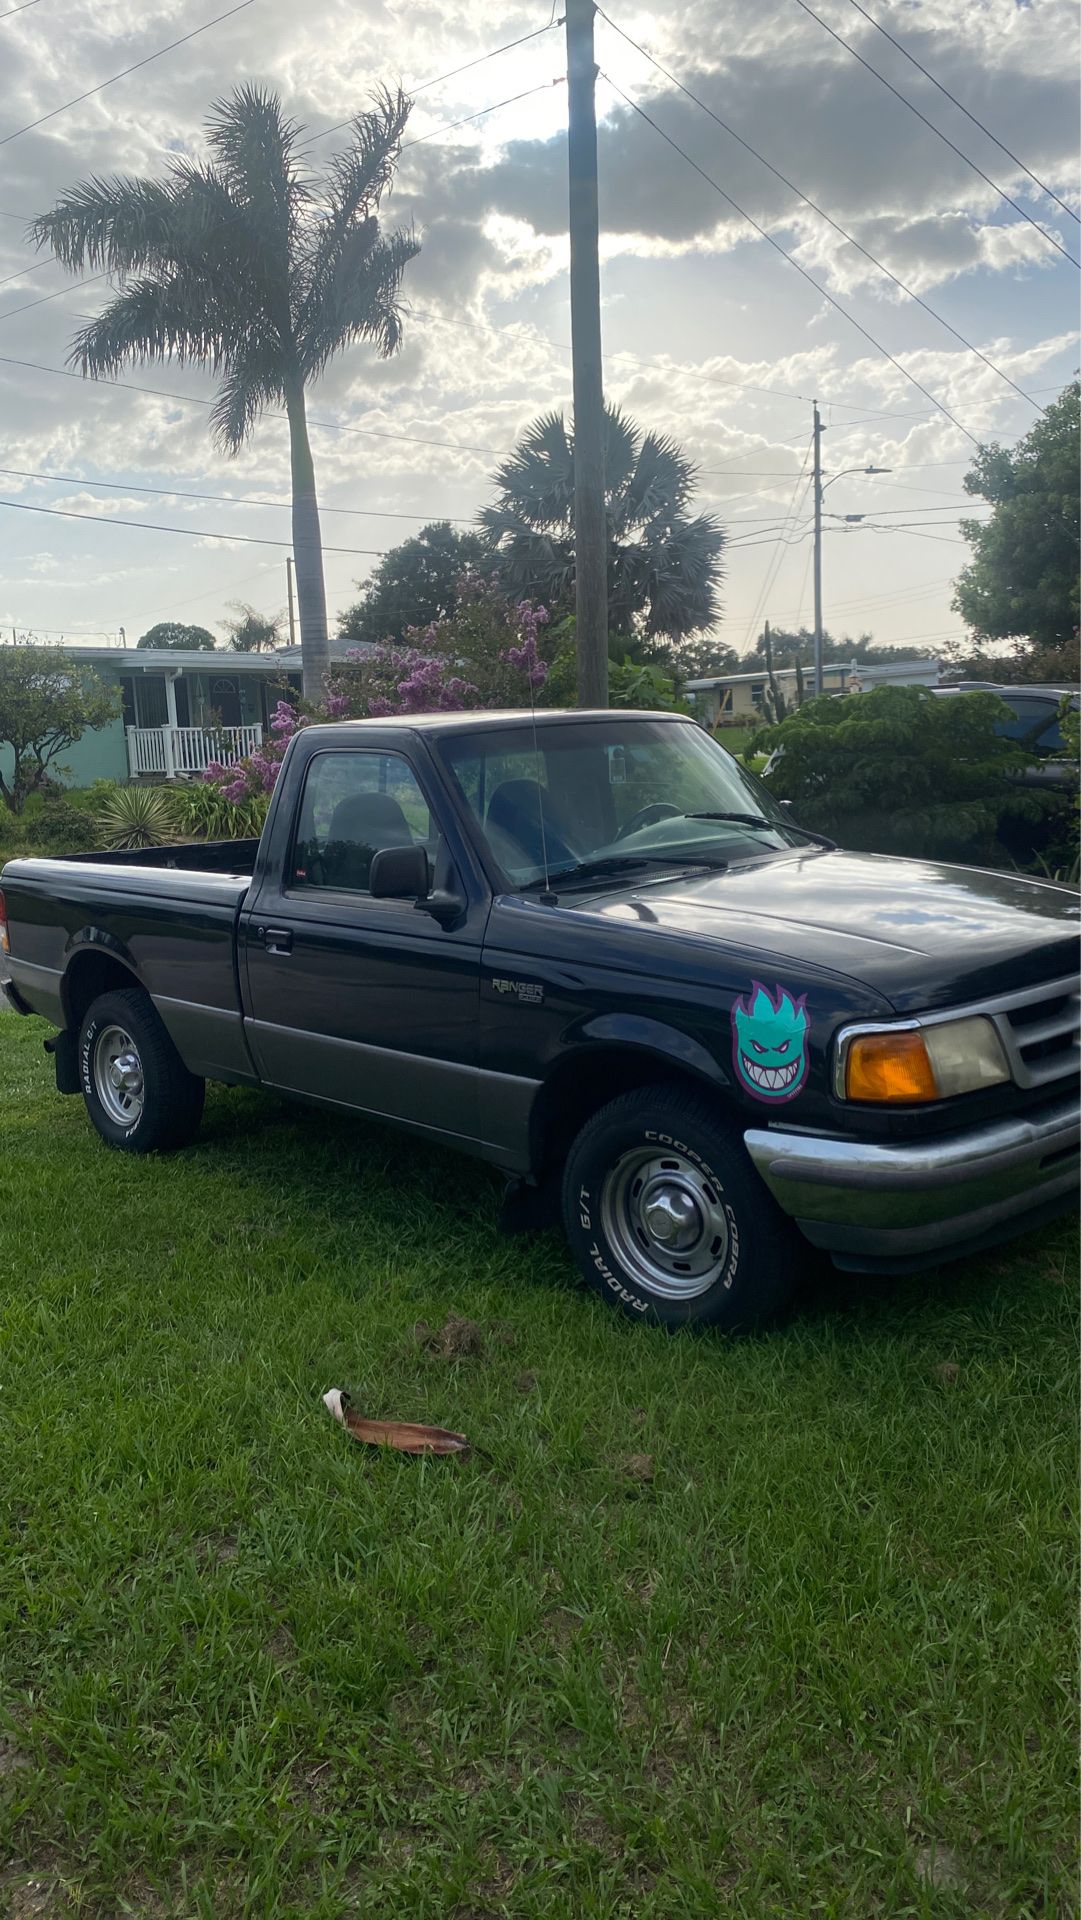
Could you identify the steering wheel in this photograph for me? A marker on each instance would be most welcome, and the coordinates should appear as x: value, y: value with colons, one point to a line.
x: 647, y: 817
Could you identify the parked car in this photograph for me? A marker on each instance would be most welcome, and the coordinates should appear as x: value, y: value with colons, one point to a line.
x: 586, y: 948
x: 1034, y: 724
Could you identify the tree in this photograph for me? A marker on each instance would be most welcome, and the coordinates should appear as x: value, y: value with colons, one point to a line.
x: 491, y: 652
x: 414, y: 583
x: 174, y: 635
x: 1031, y: 666
x: 47, y: 702
x: 255, y: 268
x: 896, y: 770
x: 702, y: 658
x: 1022, y: 581
x: 253, y: 632
x: 664, y: 566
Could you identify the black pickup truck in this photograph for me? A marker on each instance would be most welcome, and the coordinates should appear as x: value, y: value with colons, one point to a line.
x: 589, y: 948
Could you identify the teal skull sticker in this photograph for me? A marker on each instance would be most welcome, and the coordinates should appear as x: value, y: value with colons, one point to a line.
x: 769, y: 1043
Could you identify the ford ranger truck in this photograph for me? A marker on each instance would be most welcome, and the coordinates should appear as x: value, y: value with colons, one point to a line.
x: 590, y: 949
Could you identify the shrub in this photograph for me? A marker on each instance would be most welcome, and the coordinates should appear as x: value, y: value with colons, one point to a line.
x: 132, y: 817
x: 896, y: 770
x: 202, y: 812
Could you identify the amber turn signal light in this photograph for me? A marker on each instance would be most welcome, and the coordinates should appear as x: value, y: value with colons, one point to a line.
x: 889, y: 1066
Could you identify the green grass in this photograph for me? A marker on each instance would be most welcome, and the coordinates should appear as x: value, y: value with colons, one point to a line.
x: 821, y: 1663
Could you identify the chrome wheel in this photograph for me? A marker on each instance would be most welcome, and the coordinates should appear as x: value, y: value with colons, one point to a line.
x: 118, y: 1076
x: 665, y: 1220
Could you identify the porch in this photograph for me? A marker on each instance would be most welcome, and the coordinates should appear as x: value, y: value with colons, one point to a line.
x: 170, y: 752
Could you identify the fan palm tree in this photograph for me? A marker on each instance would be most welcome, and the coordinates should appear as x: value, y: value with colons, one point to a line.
x: 249, y: 266
x: 664, y: 566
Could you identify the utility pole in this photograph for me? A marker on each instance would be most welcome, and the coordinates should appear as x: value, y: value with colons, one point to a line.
x: 818, y: 547
x: 590, y: 531
x: 289, y: 584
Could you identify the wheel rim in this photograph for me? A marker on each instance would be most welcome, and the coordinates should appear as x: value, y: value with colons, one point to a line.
x: 665, y: 1220
x: 118, y: 1076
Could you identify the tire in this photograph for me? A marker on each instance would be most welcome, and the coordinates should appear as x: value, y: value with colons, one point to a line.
x: 662, y: 1154
x: 138, y: 1092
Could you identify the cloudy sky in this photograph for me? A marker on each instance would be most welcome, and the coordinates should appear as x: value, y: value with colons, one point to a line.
x: 709, y: 332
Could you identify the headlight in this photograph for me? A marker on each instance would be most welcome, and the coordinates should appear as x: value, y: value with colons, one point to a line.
x: 908, y: 1065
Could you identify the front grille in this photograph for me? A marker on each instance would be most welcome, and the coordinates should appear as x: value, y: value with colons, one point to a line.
x: 1041, y: 1031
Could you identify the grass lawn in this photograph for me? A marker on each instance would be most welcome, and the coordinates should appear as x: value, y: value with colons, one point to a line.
x: 782, y: 1627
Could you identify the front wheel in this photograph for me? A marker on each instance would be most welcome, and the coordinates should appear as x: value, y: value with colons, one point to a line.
x: 668, y: 1219
x: 138, y: 1092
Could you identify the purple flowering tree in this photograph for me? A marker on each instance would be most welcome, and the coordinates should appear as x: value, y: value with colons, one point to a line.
x: 488, y: 654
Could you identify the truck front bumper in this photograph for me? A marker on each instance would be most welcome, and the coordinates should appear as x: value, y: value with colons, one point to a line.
x: 912, y: 1204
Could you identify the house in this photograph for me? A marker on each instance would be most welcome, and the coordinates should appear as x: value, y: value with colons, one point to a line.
x: 180, y: 710
x: 735, y: 698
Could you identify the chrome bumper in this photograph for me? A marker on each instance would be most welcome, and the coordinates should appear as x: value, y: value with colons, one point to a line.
x: 912, y: 1203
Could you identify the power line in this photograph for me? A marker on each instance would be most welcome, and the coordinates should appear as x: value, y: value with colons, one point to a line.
x: 25, y: 271
x: 190, y: 400
x: 481, y: 58
x: 9, y: 313
x: 100, y: 88
x: 773, y: 567
x: 1010, y: 155
x: 233, y: 500
x: 776, y: 245
x: 191, y: 533
x: 449, y: 127
x: 906, y: 102
x: 22, y: 9
x: 821, y: 211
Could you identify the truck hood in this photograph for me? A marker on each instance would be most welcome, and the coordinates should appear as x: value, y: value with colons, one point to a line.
x: 921, y: 933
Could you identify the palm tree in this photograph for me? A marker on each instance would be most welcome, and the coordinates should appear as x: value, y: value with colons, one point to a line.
x: 664, y: 567
x: 249, y: 266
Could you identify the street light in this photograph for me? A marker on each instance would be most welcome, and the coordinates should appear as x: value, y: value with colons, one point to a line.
x: 819, y: 490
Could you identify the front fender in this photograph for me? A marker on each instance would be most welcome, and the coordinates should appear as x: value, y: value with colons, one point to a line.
x: 654, y: 1037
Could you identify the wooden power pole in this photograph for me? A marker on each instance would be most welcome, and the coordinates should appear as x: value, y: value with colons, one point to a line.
x: 818, y: 546
x: 590, y: 531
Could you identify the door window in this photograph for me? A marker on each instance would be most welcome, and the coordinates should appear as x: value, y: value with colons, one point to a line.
x: 355, y: 804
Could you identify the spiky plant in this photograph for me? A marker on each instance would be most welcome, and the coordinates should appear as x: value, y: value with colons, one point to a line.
x: 664, y: 564
x: 131, y: 817
x: 248, y: 265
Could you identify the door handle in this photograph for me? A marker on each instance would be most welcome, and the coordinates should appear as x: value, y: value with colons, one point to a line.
x: 277, y: 939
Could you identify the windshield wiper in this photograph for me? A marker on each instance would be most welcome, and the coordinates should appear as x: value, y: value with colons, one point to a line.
x: 741, y: 819
x: 621, y: 863
x: 759, y: 820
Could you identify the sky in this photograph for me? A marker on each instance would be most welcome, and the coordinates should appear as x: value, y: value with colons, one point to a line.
x: 710, y: 333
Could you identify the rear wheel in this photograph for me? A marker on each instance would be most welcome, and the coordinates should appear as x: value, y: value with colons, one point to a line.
x: 138, y: 1092
x: 668, y: 1219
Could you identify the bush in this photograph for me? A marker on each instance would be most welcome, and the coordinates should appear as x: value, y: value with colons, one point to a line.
x: 896, y: 770
x: 133, y: 817
x: 49, y: 828
x: 202, y: 812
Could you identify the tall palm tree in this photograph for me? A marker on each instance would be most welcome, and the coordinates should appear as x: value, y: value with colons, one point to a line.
x: 253, y: 268
x: 664, y: 566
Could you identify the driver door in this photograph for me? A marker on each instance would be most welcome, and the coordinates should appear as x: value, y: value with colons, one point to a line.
x: 362, y: 1003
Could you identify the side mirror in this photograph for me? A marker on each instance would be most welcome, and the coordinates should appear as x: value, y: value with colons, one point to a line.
x: 399, y: 873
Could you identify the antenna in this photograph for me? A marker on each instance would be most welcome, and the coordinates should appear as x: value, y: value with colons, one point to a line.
x: 548, y: 898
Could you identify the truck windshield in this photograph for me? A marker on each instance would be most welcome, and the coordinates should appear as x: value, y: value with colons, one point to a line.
x: 607, y: 799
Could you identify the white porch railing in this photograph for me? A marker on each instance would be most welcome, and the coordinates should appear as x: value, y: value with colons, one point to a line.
x: 179, y: 750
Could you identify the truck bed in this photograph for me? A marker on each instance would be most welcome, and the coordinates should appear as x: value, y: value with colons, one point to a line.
x: 78, y: 917
x: 202, y: 856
